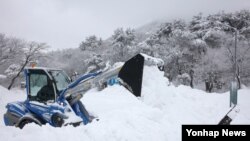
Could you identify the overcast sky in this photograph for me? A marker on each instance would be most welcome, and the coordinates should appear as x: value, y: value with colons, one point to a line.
x: 65, y: 23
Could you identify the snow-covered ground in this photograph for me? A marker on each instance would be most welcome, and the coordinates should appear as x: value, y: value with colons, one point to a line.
x: 157, y: 115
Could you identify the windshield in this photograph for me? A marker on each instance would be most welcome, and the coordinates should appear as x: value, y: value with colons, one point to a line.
x: 40, y: 87
x: 61, y: 79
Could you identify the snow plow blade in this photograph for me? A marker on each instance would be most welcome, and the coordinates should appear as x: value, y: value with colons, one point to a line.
x: 131, y: 74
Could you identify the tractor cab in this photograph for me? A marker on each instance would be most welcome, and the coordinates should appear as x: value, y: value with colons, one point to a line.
x: 44, y: 85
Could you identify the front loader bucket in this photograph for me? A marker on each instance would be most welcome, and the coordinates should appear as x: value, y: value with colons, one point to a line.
x: 131, y: 74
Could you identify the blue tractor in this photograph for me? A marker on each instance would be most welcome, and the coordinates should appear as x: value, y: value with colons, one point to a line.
x: 52, y: 98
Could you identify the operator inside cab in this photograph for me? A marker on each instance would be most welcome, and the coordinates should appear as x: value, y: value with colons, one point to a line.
x: 46, y: 93
x: 41, y: 87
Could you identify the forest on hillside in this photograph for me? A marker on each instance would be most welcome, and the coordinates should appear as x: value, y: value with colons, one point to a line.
x: 196, y: 51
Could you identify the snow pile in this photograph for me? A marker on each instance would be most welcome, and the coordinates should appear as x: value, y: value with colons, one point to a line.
x: 157, y: 115
x: 7, y: 96
x: 152, y: 61
x: 182, y: 104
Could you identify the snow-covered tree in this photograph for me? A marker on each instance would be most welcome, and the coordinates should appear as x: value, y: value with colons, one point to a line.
x: 95, y: 63
x: 214, y: 38
x: 122, y: 43
x: 12, y: 70
x: 90, y: 43
x: 10, y: 48
x: 4, y: 55
x: 31, y: 52
x: 183, y: 79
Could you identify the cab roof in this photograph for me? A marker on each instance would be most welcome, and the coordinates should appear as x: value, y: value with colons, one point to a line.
x: 41, y: 68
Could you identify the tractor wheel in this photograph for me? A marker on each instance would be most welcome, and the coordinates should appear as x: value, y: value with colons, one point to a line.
x: 57, y: 120
x: 23, y: 123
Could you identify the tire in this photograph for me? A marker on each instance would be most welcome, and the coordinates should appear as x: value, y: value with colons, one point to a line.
x: 23, y: 123
x: 57, y: 120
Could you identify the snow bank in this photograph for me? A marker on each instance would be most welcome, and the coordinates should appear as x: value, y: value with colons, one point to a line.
x: 157, y: 115
x: 182, y: 103
x: 7, y: 96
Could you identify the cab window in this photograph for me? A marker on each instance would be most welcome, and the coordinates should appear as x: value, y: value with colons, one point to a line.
x: 40, y: 88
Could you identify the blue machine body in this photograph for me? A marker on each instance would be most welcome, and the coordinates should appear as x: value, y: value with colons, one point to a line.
x: 56, y: 113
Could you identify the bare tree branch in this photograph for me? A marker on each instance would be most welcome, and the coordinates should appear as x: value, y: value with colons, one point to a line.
x: 31, y: 52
